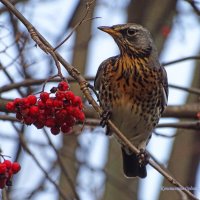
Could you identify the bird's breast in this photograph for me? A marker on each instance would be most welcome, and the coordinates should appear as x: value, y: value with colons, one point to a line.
x: 133, y: 96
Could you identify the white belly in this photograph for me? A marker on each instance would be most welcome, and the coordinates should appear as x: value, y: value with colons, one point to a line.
x: 132, y: 125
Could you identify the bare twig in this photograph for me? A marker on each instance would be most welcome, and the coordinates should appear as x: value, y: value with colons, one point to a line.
x: 26, y: 148
x: 72, y: 31
x: 30, y: 82
x: 164, y: 135
x: 180, y: 60
x: 190, y: 90
x: 88, y: 4
x: 46, y: 47
x: 194, y: 6
x: 194, y: 125
x: 62, y: 166
x: 187, y: 111
x: 40, y: 187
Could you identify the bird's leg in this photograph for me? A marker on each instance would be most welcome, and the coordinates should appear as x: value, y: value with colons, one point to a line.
x: 105, y: 116
x: 143, y: 157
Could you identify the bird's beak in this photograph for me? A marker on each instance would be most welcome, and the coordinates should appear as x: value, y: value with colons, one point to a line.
x: 109, y: 29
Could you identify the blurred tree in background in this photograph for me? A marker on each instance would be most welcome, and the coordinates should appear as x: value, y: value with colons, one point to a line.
x: 86, y: 164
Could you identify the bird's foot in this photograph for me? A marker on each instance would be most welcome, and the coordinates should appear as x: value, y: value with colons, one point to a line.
x: 143, y: 158
x: 105, y: 116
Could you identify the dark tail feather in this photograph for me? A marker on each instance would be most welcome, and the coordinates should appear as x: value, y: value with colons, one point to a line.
x: 131, y: 166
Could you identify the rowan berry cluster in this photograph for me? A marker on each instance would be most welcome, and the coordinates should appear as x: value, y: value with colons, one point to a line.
x: 7, y: 169
x: 59, y: 110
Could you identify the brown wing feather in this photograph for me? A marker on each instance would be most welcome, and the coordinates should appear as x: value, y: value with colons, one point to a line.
x: 165, y: 87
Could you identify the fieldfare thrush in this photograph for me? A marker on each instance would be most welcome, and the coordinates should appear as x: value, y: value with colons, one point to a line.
x: 133, y: 88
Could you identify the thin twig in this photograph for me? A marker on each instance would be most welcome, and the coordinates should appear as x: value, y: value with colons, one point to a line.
x: 194, y: 6
x: 180, y: 60
x: 30, y: 82
x: 66, y: 174
x: 72, y: 31
x: 189, y: 90
x: 164, y: 135
x: 41, y: 185
x: 27, y: 149
x: 194, y: 125
x: 78, y: 24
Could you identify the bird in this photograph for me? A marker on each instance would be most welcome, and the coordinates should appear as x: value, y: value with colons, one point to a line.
x: 132, y: 89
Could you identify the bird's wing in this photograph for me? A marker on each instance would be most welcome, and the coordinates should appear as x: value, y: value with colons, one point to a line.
x: 99, y: 76
x: 164, y: 87
x: 106, y: 63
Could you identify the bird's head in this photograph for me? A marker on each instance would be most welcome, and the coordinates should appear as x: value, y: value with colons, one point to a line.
x: 131, y: 38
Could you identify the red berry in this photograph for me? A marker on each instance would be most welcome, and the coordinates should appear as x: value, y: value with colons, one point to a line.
x: 69, y: 95
x: 57, y: 103
x: 10, y: 106
x: 41, y: 104
x: 44, y: 96
x: 78, y: 114
x: 25, y: 102
x: 16, y: 167
x: 70, y: 121
x: 49, y: 111
x: 50, y: 122
x: 38, y: 124
x: 7, y: 163
x: 60, y: 115
x: 63, y: 86
x: 55, y: 130
x: 65, y: 128
x: 24, y: 111
x: 29, y: 120
x: 32, y: 99
x: 78, y: 102
x: 70, y: 110
x: 10, y: 174
x: 3, y: 168
x: 18, y: 101
x: 60, y: 95
x: 81, y: 117
x: 49, y: 102
x: 33, y: 111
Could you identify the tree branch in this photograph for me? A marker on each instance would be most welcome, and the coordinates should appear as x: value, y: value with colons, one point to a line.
x: 190, y: 90
x: 180, y: 60
x: 194, y: 125
x: 192, y: 3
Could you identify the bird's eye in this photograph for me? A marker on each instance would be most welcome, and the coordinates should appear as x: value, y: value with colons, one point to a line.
x: 131, y: 31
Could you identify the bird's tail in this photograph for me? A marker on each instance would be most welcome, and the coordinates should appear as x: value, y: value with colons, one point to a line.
x: 131, y: 165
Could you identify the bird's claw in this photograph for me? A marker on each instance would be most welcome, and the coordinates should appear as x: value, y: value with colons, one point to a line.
x: 105, y: 116
x: 143, y: 158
